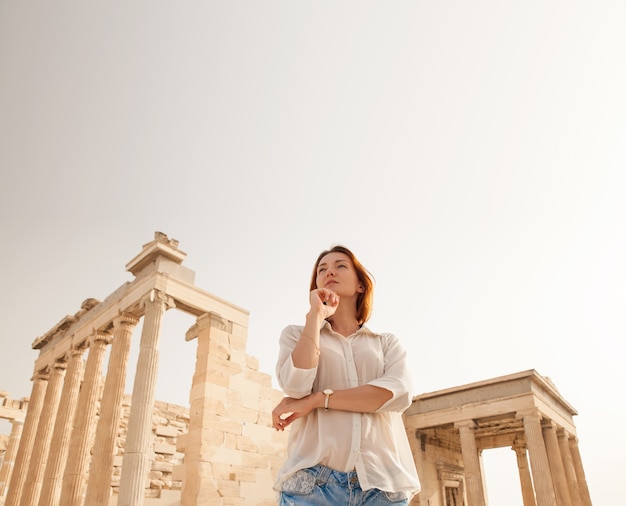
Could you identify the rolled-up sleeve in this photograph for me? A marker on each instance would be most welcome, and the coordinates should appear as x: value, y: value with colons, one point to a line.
x: 294, y: 382
x: 396, y: 377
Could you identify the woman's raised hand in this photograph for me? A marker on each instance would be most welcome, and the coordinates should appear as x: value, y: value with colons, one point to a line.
x: 324, y: 301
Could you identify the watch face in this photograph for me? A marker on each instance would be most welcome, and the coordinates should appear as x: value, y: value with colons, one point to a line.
x: 328, y: 391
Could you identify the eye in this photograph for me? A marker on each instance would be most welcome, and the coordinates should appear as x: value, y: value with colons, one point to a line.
x: 321, y: 269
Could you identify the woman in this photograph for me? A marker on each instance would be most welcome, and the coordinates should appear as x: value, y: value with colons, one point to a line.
x: 346, y: 389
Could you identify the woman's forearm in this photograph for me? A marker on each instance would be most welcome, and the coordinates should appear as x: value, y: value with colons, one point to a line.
x: 306, y: 353
x: 363, y: 399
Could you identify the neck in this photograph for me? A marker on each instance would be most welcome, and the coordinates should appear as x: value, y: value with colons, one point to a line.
x: 344, y: 321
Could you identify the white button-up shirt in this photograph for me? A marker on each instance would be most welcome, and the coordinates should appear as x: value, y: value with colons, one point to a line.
x: 375, y: 444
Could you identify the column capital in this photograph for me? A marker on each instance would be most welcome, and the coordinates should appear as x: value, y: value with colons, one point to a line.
x: 99, y: 336
x: 532, y: 413
x: 59, y: 365
x: 157, y: 296
x: 206, y: 321
x: 466, y: 424
x: 42, y: 374
x: 546, y: 423
x: 519, y: 444
x: 126, y: 318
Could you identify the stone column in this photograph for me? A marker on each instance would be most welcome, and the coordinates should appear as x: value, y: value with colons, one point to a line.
x: 59, y: 447
x: 539, y: 464
x: 198, y: 481
x: 568, y: 464
x: 528, y: 494
x: 580, y: 472
x: 137, y: 449
x: 471, y: 464
x: 75, y: 476
x: 33, y: 414
x: 101, y: 470
x: 556, y: 463
x: 9, y: 457
x: 41, y: 447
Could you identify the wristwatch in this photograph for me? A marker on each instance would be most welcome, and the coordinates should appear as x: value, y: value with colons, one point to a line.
x: 327, y: 393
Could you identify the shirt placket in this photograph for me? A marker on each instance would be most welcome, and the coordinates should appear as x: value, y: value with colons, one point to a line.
x: 355, y: 440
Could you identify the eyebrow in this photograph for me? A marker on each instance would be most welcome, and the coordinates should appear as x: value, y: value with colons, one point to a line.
x: 336, y: 262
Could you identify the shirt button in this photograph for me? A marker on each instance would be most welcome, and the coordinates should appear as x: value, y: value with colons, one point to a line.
x: 355, y: 449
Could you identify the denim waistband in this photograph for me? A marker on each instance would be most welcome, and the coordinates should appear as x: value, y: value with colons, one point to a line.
x: 325, y: 474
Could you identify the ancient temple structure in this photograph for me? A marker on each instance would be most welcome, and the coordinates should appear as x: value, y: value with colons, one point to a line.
x: 450, y: 428
x: 80, y: 440
x: 70, y: 433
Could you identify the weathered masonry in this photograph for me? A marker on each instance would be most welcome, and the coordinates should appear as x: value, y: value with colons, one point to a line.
x: 66, y: 451
x: 79, y: 440
x: 450, y: 428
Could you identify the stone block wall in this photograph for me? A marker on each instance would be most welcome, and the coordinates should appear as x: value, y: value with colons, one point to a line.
x: 169, y: 422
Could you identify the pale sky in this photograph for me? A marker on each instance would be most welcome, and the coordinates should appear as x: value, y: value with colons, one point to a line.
x: 472, y: 154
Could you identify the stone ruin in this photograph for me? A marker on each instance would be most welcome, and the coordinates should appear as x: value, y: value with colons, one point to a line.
x: 79, y: 440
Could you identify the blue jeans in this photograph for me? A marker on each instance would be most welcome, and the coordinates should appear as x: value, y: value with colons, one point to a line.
x: 322, y: 486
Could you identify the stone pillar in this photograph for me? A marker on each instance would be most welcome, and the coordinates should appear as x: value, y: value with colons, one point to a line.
x: 41, y: 447
x: 580, y: 472
x: 556, y: 463
x: 137, y: 450
x: 540, y: 466
x: 528, y: 494
x: 471, y: 464
x: 75, y: 476
x: 568, y: 464
x: 101, y: 470
x: 198, y: 481
x: 9, y: 457
x: 33, y: 414
x: 59, y: 447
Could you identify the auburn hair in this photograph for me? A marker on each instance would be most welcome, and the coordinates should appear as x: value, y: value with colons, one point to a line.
x: 365, y: 300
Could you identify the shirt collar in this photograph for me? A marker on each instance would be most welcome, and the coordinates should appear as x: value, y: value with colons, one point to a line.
x: 363, y: 330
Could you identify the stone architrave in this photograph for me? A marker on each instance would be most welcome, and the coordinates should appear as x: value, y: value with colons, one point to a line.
x: 580, y: 472
x: 528, y: 494
x: 556, y: 463
x: 18, y: 477
x: 59, y: 447
x: 471, y: 463
x: 9, y: 456
x: 568, y: 464
x: 75, y: 476
x: 136, y: 453
x: 100, y: 471
x: 41, y: 448
x: 539, y: 464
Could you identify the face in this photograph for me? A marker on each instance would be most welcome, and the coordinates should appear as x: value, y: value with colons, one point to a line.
x: 336, y: 272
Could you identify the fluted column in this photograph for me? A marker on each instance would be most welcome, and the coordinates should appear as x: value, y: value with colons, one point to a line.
x: 580, y: 472
x: 568, y: 464
x: 548, y: 428
x: 101, y: 469
x: 59, y: 447
x: 539, y: 464
x: 33, y: 414
x: 41, y: 447
x: 75, y: 476
x: 9, y: 456
x: 471, y: 464
x: 136, y: 453
x: 528, y: 494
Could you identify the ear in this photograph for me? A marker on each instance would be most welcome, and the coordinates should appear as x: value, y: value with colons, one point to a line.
x: 361, y: 289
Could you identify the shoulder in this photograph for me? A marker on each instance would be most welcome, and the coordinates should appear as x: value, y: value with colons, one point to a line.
x: 383, y: 336
x: 292, y: 331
